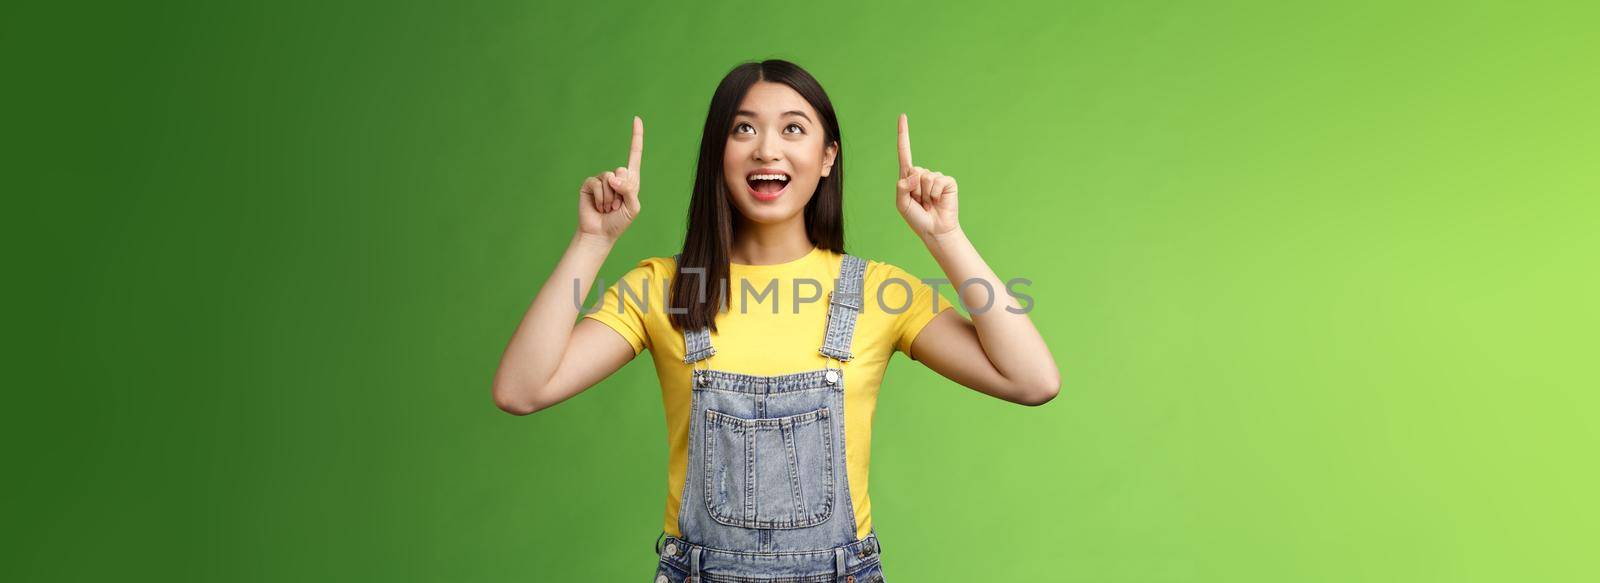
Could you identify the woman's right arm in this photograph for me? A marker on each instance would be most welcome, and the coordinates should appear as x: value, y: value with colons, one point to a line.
x: 549, y: 359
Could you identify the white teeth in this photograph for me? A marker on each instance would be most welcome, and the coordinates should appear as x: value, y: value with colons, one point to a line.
x: 778, y: 177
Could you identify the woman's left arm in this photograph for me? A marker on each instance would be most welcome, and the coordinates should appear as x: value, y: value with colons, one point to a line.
x: 997, y: 352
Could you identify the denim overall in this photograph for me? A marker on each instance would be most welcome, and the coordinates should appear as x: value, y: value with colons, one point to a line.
x: 766, y: 496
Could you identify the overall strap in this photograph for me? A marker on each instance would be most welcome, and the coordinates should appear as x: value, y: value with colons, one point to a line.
x: 696, y: 343
x: 844, y: 303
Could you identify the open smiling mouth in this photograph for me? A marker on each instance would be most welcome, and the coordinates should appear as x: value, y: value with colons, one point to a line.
x: 767, y: 185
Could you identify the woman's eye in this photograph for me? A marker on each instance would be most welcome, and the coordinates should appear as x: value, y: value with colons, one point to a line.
x: 741, y: 127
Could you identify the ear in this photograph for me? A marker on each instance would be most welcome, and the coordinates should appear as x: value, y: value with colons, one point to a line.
x: 828, y: 155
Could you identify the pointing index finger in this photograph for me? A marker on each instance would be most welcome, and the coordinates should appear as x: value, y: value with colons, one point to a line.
x: 637, y: 148
x: 905, y: 147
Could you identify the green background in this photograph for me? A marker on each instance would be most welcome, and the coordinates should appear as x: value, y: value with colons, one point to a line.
x: 1320, y: 278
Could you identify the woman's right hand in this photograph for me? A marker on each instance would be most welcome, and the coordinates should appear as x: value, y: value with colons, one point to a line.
x: 549, y: 358
x: 608, y: 202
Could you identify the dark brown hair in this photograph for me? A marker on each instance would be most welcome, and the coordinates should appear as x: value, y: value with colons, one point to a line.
x: 698, y: 296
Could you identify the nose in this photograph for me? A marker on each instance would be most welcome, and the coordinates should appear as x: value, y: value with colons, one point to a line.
x: 766, y: 149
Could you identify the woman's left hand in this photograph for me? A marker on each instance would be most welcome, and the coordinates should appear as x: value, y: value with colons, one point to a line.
x: 926, y: 199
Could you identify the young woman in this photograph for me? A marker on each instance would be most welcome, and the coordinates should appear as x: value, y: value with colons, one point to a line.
x: 769, y: 340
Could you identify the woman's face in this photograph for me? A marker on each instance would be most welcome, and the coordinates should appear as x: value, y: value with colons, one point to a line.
x: 775, y: 134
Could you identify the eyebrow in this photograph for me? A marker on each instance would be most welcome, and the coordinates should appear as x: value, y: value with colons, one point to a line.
x: 753, y: 114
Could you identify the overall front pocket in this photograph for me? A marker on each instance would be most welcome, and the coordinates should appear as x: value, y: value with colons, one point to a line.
x: 769, y: 473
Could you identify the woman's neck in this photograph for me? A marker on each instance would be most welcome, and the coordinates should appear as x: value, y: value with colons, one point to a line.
x: 759, y: 244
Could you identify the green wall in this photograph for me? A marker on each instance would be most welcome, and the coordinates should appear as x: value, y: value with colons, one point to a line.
x: 1320, y: 277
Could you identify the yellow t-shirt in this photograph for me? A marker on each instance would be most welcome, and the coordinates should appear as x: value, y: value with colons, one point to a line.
x: 773, y: 334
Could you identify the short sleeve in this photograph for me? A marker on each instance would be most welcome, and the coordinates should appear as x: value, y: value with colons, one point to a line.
x: 924, y: 304
x: 625, y: 303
